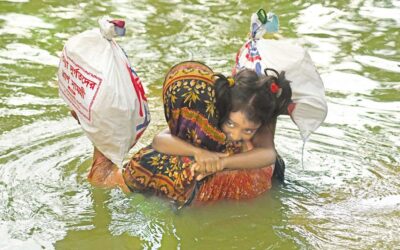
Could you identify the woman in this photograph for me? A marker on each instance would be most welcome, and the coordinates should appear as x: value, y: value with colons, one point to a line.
x: 219, y: 144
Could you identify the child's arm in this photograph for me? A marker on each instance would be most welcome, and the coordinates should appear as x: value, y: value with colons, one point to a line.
x: 263, y: 154
x: 167, y: 143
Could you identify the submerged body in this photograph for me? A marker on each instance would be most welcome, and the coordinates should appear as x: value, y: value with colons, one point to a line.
x: 201, y: 156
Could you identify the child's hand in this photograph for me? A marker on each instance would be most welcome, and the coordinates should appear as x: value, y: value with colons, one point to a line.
x: 199, y: 172
x: 205, y: 168
x: 209, y: 167
x: 202, y: 156
x: 207, y: 161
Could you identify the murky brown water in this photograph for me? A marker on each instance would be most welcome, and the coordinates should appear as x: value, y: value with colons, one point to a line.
x: 347, y: 196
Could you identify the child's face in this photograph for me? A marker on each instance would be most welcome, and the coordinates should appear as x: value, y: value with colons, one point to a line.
x: 238, y: 128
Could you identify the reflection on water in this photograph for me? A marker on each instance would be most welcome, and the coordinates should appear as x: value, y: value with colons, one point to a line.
x: 346, y: 196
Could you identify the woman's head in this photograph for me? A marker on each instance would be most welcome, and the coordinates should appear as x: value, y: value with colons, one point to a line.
x: 250, y: 101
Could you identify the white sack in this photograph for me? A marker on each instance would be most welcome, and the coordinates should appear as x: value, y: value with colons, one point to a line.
x: 96, y: 80
x: 308, y: 92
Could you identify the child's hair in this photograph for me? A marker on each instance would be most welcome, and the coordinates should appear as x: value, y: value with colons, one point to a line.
x: 260, y: 98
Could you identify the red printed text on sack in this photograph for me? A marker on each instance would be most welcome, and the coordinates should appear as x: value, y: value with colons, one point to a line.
x: 78, y: 86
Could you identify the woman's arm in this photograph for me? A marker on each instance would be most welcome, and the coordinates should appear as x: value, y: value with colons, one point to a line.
x: 105, y: 174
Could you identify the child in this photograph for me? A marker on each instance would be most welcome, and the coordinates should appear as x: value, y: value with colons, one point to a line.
x: 206, y: 117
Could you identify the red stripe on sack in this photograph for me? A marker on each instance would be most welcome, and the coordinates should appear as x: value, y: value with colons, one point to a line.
x: 138, y: 88
x: 252, y: 58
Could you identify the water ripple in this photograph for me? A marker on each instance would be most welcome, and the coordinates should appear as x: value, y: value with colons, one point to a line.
x: 22, y: 25
x: 345, y: 195
x: 17, y: 51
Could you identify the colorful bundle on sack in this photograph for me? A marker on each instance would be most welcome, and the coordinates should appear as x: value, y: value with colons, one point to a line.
x: 96, y: 80
x: 308, y: 94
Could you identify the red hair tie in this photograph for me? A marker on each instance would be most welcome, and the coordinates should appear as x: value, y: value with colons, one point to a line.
x: 274, y: 88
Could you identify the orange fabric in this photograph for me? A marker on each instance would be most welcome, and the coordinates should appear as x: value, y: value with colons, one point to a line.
x: 236, y: 184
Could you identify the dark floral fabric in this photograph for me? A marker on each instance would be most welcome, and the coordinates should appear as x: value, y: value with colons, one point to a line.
x: 189, y: 108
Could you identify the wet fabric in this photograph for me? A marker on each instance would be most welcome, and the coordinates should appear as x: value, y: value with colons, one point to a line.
x: 189, y: 107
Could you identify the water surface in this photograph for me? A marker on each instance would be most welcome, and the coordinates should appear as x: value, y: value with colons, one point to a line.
x: 347, y: 196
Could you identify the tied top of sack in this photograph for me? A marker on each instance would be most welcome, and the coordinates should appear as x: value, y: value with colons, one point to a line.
x: 111, y: 28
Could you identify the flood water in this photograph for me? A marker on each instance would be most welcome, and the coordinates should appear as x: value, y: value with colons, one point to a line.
x: 347, y: 195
